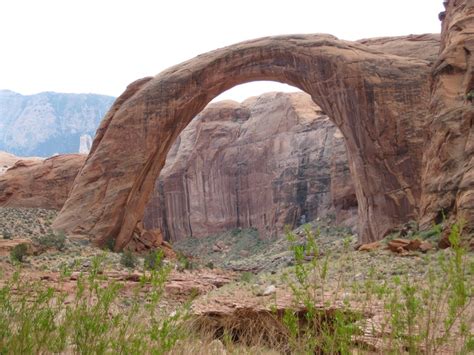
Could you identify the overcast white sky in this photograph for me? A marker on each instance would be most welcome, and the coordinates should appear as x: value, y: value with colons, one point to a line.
x: 102, y: 45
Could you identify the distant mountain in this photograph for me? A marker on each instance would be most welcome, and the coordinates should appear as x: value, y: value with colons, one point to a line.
x: 48, y: 123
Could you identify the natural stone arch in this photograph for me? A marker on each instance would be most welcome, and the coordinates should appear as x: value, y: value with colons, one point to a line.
x: 378, y: 101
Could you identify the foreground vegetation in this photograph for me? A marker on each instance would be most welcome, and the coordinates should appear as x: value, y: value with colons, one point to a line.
x: 333, y: 308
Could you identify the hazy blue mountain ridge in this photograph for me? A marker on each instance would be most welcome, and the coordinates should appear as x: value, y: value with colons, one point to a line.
x: 47, y: 123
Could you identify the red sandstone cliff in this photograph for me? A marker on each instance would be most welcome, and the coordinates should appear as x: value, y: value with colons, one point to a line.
x: 39, y: 183
x: 271, y: 161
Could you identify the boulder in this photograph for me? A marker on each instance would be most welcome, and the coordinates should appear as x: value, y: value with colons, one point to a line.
x: 369, y: 246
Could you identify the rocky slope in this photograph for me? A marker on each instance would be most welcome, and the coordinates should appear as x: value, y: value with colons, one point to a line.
x: 48, y: 123
x: 42, y: 183
x: 271, y: 161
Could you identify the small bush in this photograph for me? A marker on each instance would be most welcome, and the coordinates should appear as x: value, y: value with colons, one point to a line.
x: 153, y: 260
x: 210, y: 265
x: 235, y: 232
x: 7, y: 235
x: 110, y: 244
x: 185, y: 263
x: 246, y: 277
x: 128, y: 259
x: 18, y: 253
x: 35, y: 319
x: 52, y: 240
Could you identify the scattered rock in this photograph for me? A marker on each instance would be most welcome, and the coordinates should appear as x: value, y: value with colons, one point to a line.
x: 217, y: 348
x: 270, y: 290
x: 369, y: 246
x: 425, y: 246
x: 404, y: 245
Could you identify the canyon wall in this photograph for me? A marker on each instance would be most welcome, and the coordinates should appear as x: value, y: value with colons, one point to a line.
x: 448, y: 174
x: 270, y: 161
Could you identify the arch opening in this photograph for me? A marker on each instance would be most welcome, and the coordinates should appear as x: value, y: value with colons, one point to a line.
x: 269, y: 161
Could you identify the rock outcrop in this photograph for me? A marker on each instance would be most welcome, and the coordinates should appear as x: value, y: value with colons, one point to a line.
x: 271, y: 161
x: 48, y: 123
x: 424, y: 46
x: 448, y: 174
x: 40, y: 183
x: 379, y: 102
x: 7, y: 160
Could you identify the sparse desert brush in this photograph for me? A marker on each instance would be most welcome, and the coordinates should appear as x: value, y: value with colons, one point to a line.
x: 52, y: 240
x: 127, y: 259
x: 153, y: 260
x: 18, y: 253
x: 35, y: 318
x: 419, y: 315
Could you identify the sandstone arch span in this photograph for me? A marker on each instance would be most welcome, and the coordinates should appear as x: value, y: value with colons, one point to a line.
x: 379, y: 102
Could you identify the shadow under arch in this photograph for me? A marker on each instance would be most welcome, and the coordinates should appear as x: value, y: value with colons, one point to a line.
x: 378, y: 101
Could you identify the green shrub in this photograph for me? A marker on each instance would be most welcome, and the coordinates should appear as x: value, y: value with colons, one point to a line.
x: 7, y: 235
x: 128, y: 260
x: 185, y: 263
x: 110, y: 244
x: 101, y: 319
x: 246, y: 277
x: 53, y: 240
x: 418, y: 315
x: 18, y: 253
x: 153, y: 260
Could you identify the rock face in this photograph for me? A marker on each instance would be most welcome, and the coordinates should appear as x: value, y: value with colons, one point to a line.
x: 378, y: 101
x: 40, y: 183
x: 448, y: 175
x: 424, y: 46
x: 271, y: 161
x: 7, y: 160
x: 48, y: 123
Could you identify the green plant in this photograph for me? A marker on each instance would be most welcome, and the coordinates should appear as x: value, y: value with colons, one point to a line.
x: 153, y: 260
x: 319, y: 330
x: 184, y: 262
x: 53, y: 240
x: 100, y: 318
x: 7, y: 234
x: 18, y: 253
x: 127, y: 259
x: 246, y: 277
x: 419, y: 314
x: 110, y: 244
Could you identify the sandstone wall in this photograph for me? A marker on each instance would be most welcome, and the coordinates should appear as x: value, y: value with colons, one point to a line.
x: 271, y: 161
x: 39, y: 183
x: 448, y: 175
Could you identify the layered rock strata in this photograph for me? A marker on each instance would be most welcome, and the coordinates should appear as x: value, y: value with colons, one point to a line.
x: 448, y: 169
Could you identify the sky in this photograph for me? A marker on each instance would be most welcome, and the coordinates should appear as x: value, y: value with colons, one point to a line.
x: 100, y: 46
